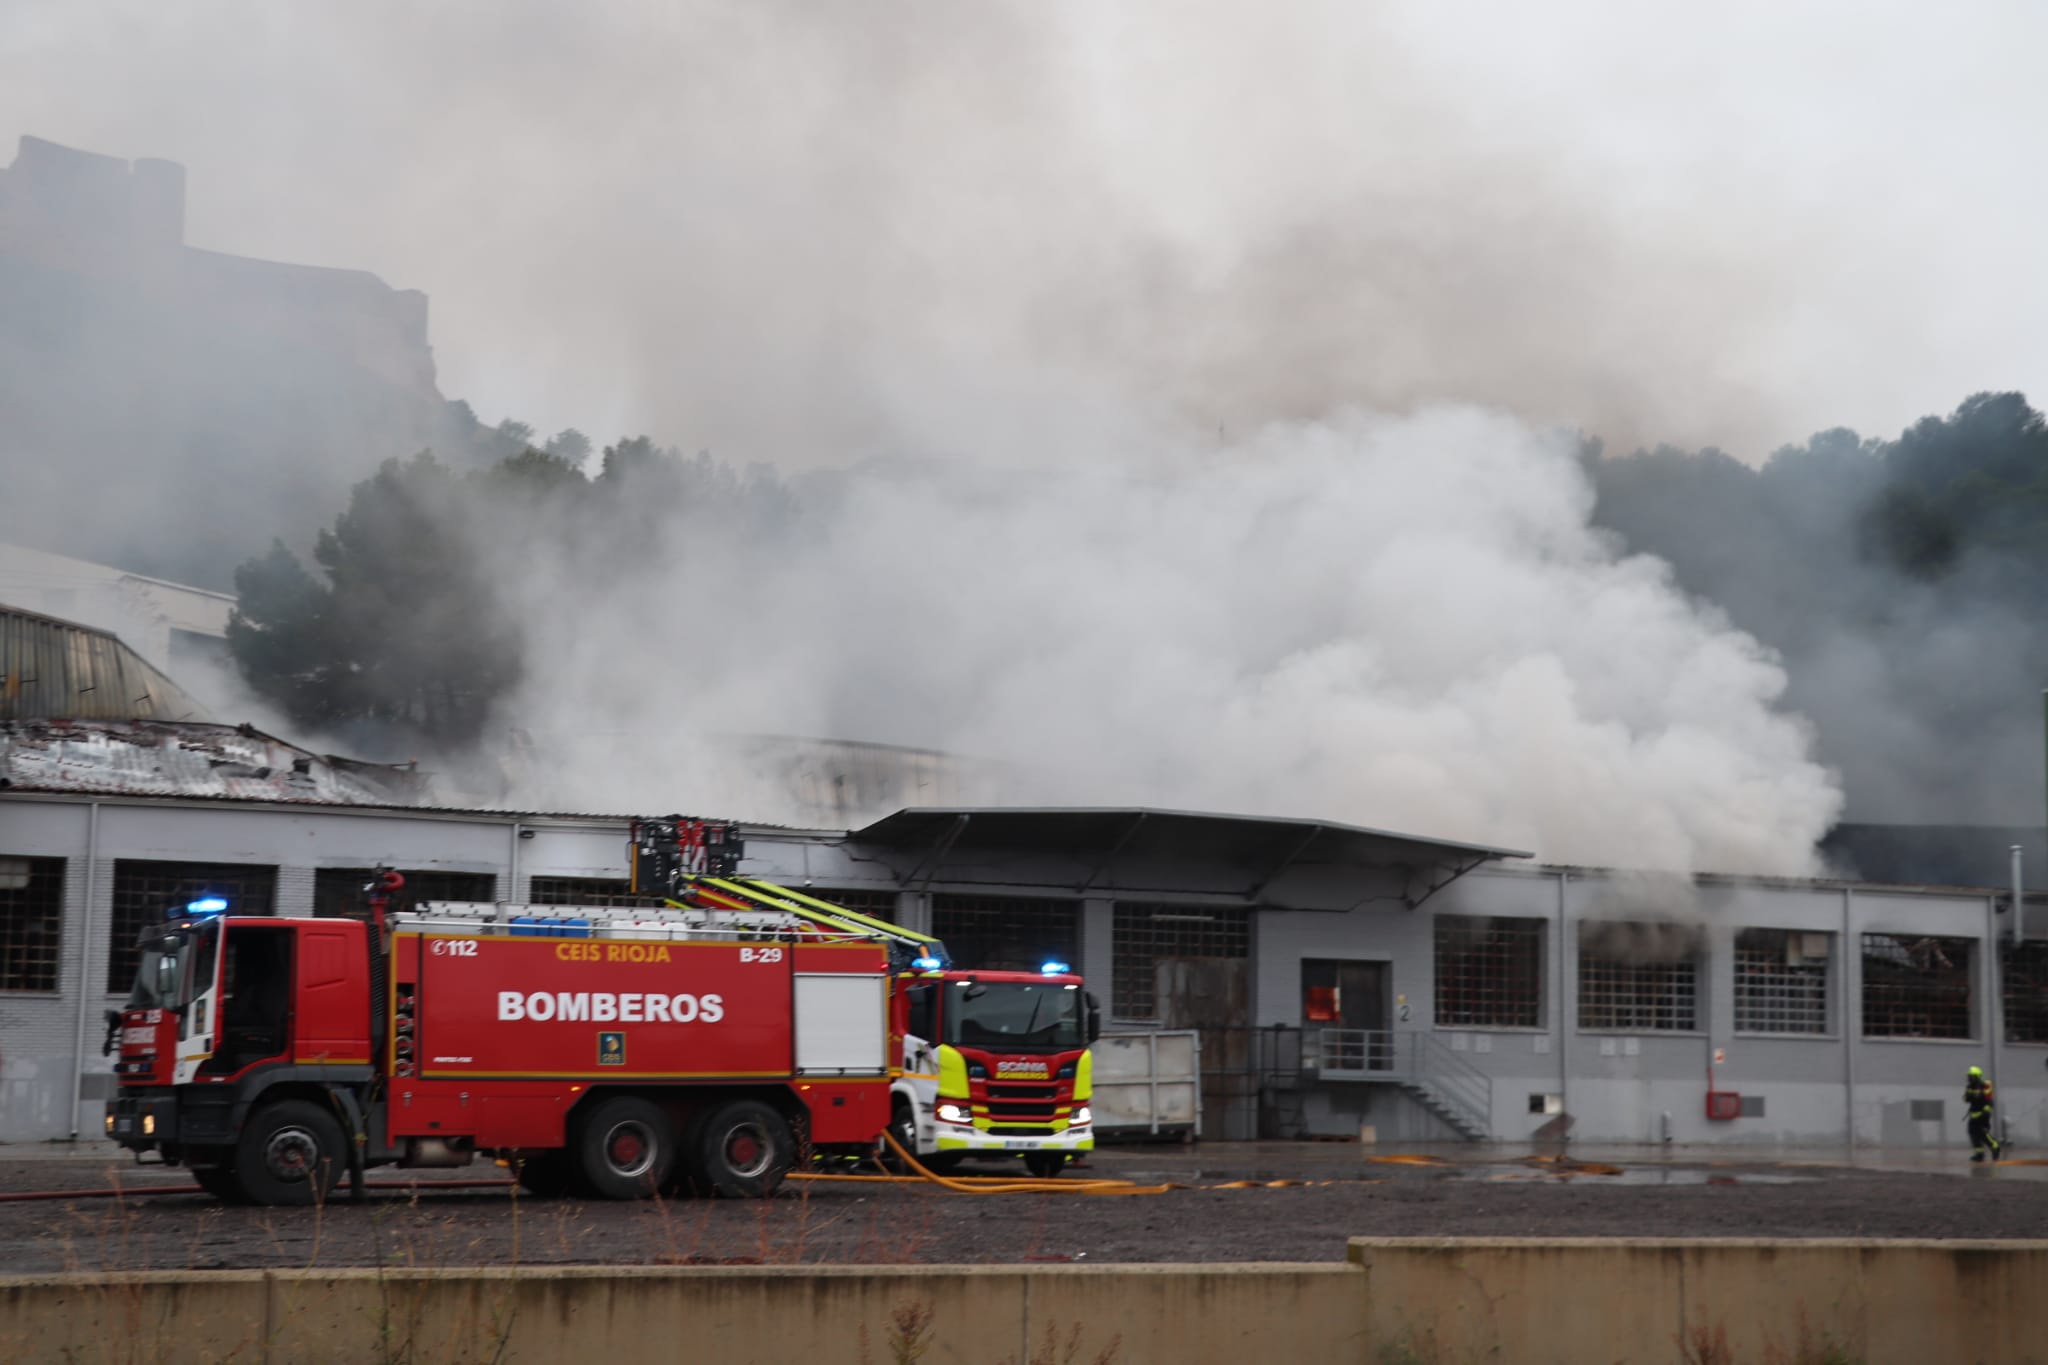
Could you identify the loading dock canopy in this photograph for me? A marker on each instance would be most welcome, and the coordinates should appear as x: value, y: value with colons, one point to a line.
x: 1233, y: 859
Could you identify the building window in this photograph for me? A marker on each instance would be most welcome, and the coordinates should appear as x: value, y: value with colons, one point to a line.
x: 1637, y: 978
x: 1916, y: 987
x: 585, y: 891
x: 338, y: 891
x: 2026, y: 992
x: 1781, y: 981
x: 146, y: 892
x: 31, y: 922
x: 1142, y: 935
x: 1489, y: 972
x: 1007, y: 933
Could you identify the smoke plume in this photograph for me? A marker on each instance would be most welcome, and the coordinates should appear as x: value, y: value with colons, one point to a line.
x: 1399, y: 622
x: 1087, y: 323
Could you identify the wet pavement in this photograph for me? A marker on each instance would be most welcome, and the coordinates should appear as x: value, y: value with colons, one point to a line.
x: 1264, y: 1201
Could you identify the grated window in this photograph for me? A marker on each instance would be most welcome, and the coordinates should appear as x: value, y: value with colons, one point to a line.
x: 1926, y: 1111
x: 1636, y: 979
x: 338, y: 891
x: 1007, y: 933
x: 585, y: 891
x: 144, y: 891
x: 1142, y: 934
x: 1489, y: 972
x: 1916, y: 986
x: 2026, y: 992
x: 31, y: 923
x: 1781, y: 981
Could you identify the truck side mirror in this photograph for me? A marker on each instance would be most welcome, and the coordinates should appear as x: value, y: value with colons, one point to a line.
x: 1094, y: 1018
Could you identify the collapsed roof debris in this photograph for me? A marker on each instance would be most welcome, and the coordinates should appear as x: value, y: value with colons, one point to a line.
x: 160, y: 758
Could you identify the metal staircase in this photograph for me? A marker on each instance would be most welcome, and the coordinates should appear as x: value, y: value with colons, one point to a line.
x: 1436, y: 1102
x: 1438, y: 1079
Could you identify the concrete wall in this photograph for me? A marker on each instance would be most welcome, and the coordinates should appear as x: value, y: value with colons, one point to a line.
x: 820, y: 1315
x: 1575, y: 1300
x: 1416, y: 1301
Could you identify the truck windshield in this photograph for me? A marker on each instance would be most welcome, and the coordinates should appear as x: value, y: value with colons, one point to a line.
x: 1018, y: 1016
x: 175, y: 967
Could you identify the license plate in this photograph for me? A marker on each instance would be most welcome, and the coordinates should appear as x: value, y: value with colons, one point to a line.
x: 124, y: 1125
x: 1016, y: 1145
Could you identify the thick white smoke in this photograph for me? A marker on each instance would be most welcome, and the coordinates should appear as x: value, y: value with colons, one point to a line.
x: 1399, y: 622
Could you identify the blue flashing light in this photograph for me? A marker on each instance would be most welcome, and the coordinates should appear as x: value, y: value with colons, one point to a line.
x: 1054, y: 968
x: 926, y: 964
x: 206, y: 905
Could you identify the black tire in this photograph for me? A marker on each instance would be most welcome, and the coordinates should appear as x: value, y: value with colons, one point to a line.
x: 221, y: 1183
x: 1045, y: 1165
x: 624, y: 1148
x: 547, y: 1175
x: 743, y: 1149
x: 291, y: 1152
x: 902, y: 1127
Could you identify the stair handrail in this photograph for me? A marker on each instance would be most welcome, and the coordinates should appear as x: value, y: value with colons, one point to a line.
x: 1463, y: 1086
x: 1359, y: 1051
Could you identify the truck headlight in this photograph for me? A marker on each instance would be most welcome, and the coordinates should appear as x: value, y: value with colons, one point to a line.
x: 1083, y: 1116
x: 952, y: 1113
x: 110, y: 1124
x: 149, y: 1125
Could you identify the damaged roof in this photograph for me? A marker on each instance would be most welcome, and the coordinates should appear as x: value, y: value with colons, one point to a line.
x: 162, y: 758
x: 50, y: 667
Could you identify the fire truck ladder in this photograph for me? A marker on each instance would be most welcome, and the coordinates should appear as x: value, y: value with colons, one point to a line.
x: 717, y: 907
x: 753, y: 894
x: 687, y: 862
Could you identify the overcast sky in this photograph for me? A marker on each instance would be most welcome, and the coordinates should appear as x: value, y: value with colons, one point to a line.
x: 802, y: 232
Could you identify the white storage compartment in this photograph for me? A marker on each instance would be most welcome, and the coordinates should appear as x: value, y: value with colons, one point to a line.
x: 842, y: 1024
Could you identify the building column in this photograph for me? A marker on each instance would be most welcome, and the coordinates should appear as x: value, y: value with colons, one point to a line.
x: 1098, y: 920
x: 914, y: 911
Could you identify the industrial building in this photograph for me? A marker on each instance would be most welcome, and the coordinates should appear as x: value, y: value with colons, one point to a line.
x: 1340, y: 977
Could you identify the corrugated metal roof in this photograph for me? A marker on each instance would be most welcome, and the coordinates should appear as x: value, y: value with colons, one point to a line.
x: 154, y: 758
x: 1304, y: 864
x: 1088, y: 824
x: 51, y: 668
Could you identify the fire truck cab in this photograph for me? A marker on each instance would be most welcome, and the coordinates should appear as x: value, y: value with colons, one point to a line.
x: 995, y: 1063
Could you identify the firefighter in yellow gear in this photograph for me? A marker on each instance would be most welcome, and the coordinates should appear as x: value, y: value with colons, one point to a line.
x: 1977, y: 1104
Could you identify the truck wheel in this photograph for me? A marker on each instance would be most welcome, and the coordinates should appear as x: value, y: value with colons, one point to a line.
x: 547, y: 1175
x: 220, y: 1182
x: 902, y: 1127
x: 744, y: 1149
x: 625, y: 1148
x: 291, y: 1152
x: 1045, y: 1165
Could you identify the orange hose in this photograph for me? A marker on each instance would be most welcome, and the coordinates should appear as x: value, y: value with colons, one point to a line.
x: 987, y: 1184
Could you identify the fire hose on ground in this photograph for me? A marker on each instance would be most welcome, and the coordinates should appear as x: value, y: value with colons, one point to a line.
x: 917, y: 1174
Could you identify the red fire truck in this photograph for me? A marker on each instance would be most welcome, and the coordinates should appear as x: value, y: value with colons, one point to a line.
x: 707, y: 1041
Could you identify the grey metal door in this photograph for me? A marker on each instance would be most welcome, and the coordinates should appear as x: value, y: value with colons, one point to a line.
x: 1213, y: 996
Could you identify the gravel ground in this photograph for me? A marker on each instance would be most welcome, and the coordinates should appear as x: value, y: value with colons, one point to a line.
x: 1450, y: 1193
